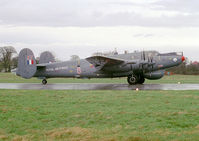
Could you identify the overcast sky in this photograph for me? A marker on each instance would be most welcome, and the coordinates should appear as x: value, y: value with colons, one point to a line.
x: 83, y: 27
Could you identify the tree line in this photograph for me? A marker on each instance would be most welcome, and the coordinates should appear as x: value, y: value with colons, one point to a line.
x: 9, y: 58
x: 186, y: 69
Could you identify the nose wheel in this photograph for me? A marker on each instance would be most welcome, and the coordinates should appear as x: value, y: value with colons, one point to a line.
x: 44, y: 82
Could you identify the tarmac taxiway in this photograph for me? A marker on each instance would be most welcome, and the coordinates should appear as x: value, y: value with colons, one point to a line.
x: 97, y: 86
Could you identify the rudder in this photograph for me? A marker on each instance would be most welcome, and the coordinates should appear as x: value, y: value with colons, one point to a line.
x: 26, y: 64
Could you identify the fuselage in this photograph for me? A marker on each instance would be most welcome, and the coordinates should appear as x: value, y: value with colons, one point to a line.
x: 83, y: 69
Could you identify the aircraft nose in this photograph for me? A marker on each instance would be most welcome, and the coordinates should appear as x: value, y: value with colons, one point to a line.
x: 183, y: 59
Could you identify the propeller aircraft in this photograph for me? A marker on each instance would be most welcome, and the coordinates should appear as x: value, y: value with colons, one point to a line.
x: 136, y: 66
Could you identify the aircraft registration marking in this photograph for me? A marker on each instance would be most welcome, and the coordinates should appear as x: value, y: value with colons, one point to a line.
x: 56, y: 69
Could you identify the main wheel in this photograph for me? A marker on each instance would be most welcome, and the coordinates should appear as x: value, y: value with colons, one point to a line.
x: 132, y: 80
x: 141, y: 80
x: 44, y: 82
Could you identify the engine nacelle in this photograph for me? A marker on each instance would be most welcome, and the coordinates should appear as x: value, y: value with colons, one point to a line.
x: 154, y: 75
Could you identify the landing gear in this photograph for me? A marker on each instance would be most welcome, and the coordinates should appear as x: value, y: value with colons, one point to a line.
x: 134, y: 79
x: 141, y: 80
x: 44, y: 82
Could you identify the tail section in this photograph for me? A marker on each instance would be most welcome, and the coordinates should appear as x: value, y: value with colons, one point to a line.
x: 26, y: 64
x: 46, y: 57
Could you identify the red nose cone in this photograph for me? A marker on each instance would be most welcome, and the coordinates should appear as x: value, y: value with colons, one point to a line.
x: 183, y: 58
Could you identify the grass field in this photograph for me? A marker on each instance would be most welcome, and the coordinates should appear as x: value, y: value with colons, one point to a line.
x: 99, y: 115
x: 11, y: 78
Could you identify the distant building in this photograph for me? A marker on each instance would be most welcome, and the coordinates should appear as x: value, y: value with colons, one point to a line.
x: 126, y: 52
x: 115, y: 51
x: 195, y: 63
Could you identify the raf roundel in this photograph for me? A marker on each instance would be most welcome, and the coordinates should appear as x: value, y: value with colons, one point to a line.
x: 175, y: 59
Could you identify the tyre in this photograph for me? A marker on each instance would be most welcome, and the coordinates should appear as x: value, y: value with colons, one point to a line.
x: 44, y: 81
x: 132, y: 80
x: 141, y: 80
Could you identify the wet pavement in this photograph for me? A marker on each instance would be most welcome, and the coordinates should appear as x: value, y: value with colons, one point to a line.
x: 97, y: 86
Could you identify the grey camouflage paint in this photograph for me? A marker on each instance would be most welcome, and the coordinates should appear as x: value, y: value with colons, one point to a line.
x: 121, y: 65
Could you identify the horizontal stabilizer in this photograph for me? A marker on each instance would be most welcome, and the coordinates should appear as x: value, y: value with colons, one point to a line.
x: 41, y: 66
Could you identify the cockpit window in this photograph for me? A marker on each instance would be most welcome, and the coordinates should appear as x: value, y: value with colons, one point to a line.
x: 170, y: 54
x: 180, y: 53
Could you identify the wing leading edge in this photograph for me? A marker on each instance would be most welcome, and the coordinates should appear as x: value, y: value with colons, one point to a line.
x: 104, y: 61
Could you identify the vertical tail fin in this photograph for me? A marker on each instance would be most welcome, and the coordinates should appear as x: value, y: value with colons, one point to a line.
x: 26, y: 64
x: 46, y: 57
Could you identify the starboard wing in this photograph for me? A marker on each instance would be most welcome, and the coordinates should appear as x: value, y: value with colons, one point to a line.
x: 103, y: 61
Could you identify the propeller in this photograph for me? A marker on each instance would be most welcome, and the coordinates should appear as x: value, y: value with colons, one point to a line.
x: 151, y: 62
x: 143, y: 60
x: 146, y: 63
x: 143, y: 56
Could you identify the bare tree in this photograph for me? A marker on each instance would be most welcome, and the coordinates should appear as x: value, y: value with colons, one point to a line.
x: 15, y: 61
x: 74, y: 58
x: 107, y: 53
x: 97, y: 54
x: 6, y: 54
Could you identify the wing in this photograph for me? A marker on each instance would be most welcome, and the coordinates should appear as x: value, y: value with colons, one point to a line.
x: 101, y: 62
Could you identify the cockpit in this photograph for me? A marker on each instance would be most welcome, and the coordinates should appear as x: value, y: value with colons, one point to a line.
x: 171, y: 54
